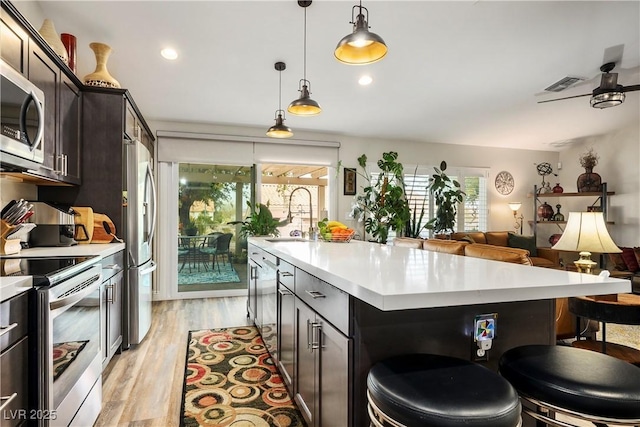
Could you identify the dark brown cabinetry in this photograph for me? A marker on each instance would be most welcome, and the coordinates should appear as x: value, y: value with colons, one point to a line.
x: 14, y: 42
x: 104, y: 134
x: 23, y: 48
x: 14, y: 361
x: 111, y: 298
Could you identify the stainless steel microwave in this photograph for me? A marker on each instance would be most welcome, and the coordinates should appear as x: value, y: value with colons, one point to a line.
x: 22, y: 121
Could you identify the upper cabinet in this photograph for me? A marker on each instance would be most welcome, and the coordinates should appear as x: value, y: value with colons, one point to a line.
x: 23, y: 48
x: 14, y: 42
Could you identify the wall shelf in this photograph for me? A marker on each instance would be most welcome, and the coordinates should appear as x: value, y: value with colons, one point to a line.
x: 601, y: 197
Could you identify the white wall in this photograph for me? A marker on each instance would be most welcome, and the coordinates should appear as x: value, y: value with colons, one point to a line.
x: 519, y: 162
x: 619, y: 167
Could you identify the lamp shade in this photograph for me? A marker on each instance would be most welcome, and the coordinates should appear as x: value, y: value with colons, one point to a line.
x: 586, y: 232
x: 279, y: 130
x: 361, y: 46
x: 515, y: 206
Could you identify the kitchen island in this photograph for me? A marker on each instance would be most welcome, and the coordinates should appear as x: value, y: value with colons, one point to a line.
x: 357, y: 303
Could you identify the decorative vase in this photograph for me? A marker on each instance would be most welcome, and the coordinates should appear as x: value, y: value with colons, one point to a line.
x: 101, y: 77
x: 49, y: 34
x: 558, y: 216
x: 589, y: 181
x: 69, y: 42
x: 553, y: 239
x: 545, y: 211
x: 557, y: 188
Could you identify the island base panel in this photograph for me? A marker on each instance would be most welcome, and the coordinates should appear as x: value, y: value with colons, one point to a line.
x: 446, y: 331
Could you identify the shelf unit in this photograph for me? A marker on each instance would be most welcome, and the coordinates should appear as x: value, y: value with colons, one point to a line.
x: 601, y: 197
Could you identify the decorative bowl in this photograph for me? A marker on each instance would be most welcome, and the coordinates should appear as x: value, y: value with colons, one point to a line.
x: 338, y: 238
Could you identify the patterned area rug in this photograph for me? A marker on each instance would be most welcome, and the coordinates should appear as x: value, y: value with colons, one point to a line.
x: 198, y: 274
x: 63, y: 354
x: 230, y: 380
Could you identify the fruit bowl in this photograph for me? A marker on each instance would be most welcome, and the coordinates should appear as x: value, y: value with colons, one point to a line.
x: 338, y: 237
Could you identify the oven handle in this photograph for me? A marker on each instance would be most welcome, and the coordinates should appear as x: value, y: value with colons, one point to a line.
x: 75, y: 297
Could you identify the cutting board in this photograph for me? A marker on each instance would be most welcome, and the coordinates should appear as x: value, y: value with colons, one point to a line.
x: 83, y: 219
x: 100, y: 233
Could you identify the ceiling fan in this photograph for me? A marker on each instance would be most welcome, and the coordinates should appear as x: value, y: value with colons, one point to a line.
x: 609, y: 93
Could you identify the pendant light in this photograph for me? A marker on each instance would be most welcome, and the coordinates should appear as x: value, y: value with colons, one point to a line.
x: 279, y: 130
x: 304, y: 106
x: 361, y: 46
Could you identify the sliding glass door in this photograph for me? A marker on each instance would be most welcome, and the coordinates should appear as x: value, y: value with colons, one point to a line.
x: 212, y: 200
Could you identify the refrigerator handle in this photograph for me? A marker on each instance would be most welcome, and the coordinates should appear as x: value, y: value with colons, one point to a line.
x: 152, y: 228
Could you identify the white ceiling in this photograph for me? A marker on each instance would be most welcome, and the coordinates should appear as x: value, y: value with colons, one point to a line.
x: 456, y: 72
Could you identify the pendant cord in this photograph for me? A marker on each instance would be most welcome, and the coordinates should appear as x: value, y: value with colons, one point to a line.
x: 304, y: 62
x: 279, y: 90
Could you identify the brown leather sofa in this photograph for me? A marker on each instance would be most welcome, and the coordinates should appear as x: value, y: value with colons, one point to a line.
x: 565, y: 321
x: 546, y: 257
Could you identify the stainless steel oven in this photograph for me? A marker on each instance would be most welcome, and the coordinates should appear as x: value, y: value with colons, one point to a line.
x: 69, y: 360
x: 21, y: 120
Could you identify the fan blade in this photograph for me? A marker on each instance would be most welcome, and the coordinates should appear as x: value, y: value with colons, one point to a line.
x: 560, y: 99
x: 632, y: 88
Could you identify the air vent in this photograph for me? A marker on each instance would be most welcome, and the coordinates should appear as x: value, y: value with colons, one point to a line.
x: 563, y: 83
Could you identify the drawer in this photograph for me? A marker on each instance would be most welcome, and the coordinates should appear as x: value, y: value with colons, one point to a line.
x: 326, y: 300
x: 14, y: 319
x: 255, y: 253
x: 286, y: 275
x: 14, y: 379
x: 112, y: 265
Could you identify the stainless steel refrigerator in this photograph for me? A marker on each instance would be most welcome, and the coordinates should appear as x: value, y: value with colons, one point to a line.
x: 140, y: 216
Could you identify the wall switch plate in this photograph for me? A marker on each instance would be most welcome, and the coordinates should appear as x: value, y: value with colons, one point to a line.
x: 484, y: 332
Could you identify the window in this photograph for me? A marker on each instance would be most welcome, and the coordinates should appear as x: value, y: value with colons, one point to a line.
x: 472, y: 216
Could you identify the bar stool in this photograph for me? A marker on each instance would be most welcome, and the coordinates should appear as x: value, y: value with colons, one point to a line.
x: 439, y: 391
x: 580, y: 383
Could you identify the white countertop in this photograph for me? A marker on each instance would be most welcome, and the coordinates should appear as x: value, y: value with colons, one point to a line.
x: 92, y: 249
x: 395, y: 278
x: 12, y: 286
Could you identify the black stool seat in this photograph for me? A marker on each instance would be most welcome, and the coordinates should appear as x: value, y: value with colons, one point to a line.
x: 427, y: 389
x: 571, y: 378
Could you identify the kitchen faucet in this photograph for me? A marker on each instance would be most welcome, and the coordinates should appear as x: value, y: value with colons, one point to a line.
x: 290, y: 216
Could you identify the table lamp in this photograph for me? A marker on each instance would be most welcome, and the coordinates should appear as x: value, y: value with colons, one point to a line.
x: 519, y: 219
x: 586, y: 232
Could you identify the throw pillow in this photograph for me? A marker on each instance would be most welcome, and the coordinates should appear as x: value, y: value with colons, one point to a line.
x: 637, y: 252
x: 629, y: 257
x: 467, y: 238
x: 618, y: 262
x: 523, y: 242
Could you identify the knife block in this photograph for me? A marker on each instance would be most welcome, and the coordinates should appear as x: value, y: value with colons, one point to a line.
x: 11, y: 246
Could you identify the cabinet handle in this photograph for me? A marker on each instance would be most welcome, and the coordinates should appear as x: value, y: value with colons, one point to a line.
x: 316, y: 329
x: 7, y: 400
x: 59, y: 167
x: 284, y: 292
x: 252, y: 273
x: 112, y: 298
x: 5, y: 329
x: 316, y: 294
x: 65, y: 165
x: 286, y: 274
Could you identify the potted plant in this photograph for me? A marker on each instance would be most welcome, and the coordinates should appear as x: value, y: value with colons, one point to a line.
x: 191, y: 229
x: 446, y: 195
x: 383, y: 203
x: 260, y: 222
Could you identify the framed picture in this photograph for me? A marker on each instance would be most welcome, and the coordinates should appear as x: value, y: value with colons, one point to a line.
x: 349, y: 181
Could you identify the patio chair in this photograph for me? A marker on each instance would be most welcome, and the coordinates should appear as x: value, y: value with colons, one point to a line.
x: 217, y: 245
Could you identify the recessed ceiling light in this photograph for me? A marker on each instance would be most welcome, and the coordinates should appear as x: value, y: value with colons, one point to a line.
x: 365, y: 80
x: 169, y: 53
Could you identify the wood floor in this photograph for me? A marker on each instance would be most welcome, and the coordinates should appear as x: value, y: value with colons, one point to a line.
x: 142, y: 387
